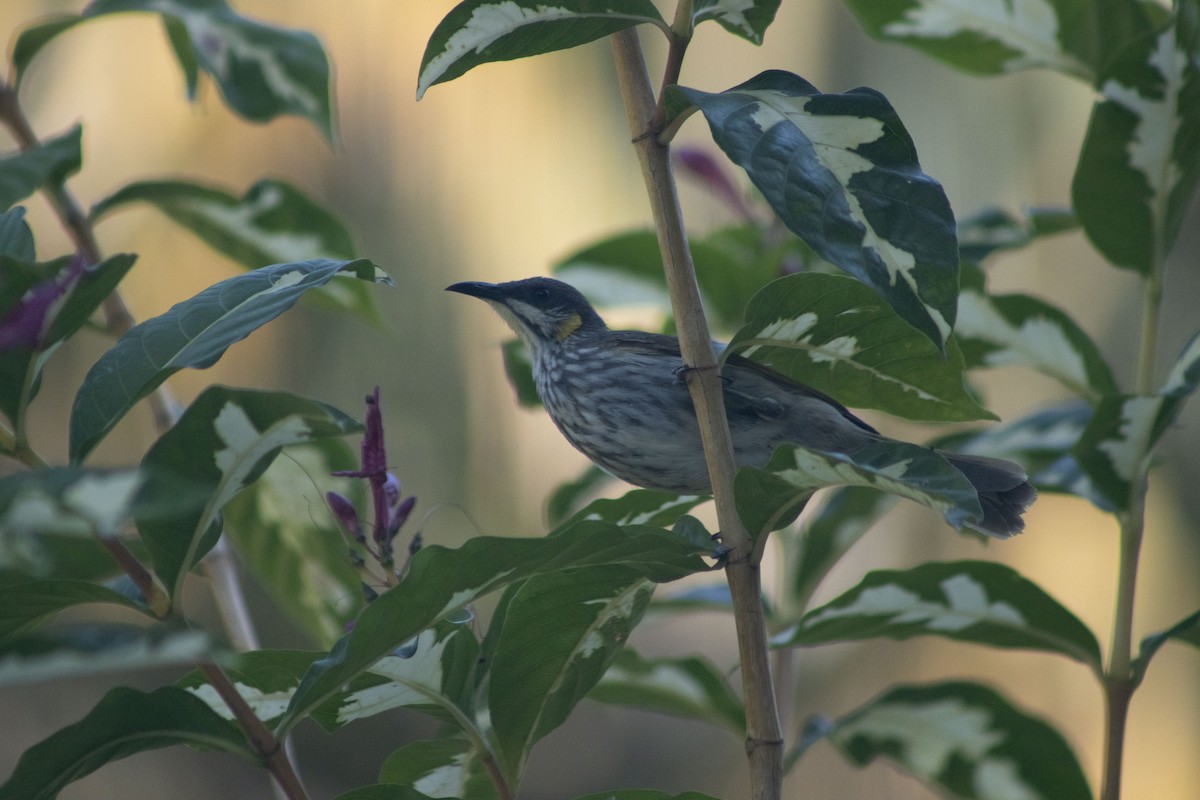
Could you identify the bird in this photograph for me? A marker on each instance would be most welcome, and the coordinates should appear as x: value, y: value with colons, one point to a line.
x: 620, y: 397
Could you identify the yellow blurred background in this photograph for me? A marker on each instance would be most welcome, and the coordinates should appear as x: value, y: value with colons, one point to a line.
x: 496, y: 175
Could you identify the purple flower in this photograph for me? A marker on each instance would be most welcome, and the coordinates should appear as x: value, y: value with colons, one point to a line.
x: 25, y: 325
x: 702, y: 166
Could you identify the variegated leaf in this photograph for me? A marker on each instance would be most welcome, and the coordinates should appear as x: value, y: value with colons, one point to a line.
x: 748, y: 19
x: 993, y: 229
x: 1141, y: 157
x: 965, y: 739
x: 766, y: 497
x: 440, y: 768
x: 970, y: 601
x: 223, y: 442
x: 1021, y: 330
x: 842, y: 173
x: 481, y: 31
x: 263, y: 70
x: 836, y: 335
x: 686, y: 687
x: 1043, y: 442
x: 996, y: 36
x: 441, y: 580
x: 194, y: 333
x: 265, y: 679
x: 272, y: 223
x: 1116, y: 447
x: 639, y: 507
x: 69, y: 500
x: 81, y: 650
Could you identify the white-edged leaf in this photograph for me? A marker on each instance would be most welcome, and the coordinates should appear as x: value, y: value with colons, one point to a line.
x: 194, y: 333
x: 765, y: 497
x: 836, y: 335
x: 968, y: 601
x: 966, y: 740
x: 1115, y: 449
x: 223, y: 442
x: 560, y: 632
x: 481, y: 31
x: 263, y: 70
x: 684, y: 687
x: 639, y: 507
x: 997, y: 36
x: 1043, y: 442
x: 69, y: 500
x: 265, y: 679
x: 285, y: 533
x: 994, y: 230
x: 748, y: 19
x: 1021, y: 330
x: 433, y: 673
x: 441, y: 580
x: 1141, y: 156
x: 439, y: 768
x: 125, y: 722
x: 842, y: 173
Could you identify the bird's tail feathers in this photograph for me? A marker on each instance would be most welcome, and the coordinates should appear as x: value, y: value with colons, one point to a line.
x: 1004, y: 492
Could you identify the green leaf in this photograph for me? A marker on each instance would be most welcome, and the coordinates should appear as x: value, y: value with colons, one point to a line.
x: 747, y: 20
x: 684, y: 687
x: 560, y: 632
x: 1141, y: 156
x: 841, y: 172
x: 194, y: 333
x: 836, y: 335
x: 96, y: 284
x: 263, y: 70
x: 993, y: 230
x: 434, y: 673
x: 966, y: 740
x: 272, y: 223
x: 968, y: 601
x: 265, y: 679
x: 16, y: 237
x: 441, y: 580
x: 28, y: 604
x: 31, y: 41
x: 83, y: 651
x: 222, y: 443
x: 1115, y: 449
x: 568, y: 497
x: 51, y: 162
x: 766, y: 497
x: 1186, y: 630
x: 286, y: 535
x: 1020, y: 330
x: 481, y: 31
x: 440, y: 768
x: 519, y: 370
x: 70, y: 500
x: 125, y: 722
x: 991, y: 37
x: 846, y: 515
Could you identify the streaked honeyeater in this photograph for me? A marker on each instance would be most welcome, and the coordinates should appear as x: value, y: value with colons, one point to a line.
x: 621, y: 399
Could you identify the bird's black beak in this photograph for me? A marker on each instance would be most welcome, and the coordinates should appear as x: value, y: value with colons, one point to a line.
x: 484, y: 291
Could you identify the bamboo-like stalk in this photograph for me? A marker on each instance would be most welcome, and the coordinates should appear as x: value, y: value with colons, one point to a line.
x: 764, y: 741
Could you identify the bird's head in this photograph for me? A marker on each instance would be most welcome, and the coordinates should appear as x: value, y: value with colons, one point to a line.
x: 540, y: 310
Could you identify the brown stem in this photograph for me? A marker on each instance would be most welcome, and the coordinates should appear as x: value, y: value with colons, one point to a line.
x: 1117, y: 694
x: 156, y: 597
x: 764, y: 742
x: 260, y: 737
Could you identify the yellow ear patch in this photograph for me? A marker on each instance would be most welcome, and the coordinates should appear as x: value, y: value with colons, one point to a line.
x: 569, y: 326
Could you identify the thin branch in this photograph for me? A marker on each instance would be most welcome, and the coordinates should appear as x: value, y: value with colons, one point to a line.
x: 260, y: 737
x: 764, y: 742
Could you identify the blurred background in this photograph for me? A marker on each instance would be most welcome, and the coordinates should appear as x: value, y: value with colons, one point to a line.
x: 494, y: 177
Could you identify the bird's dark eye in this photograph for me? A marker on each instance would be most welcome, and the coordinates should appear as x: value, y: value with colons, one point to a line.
x: 541, y: 294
